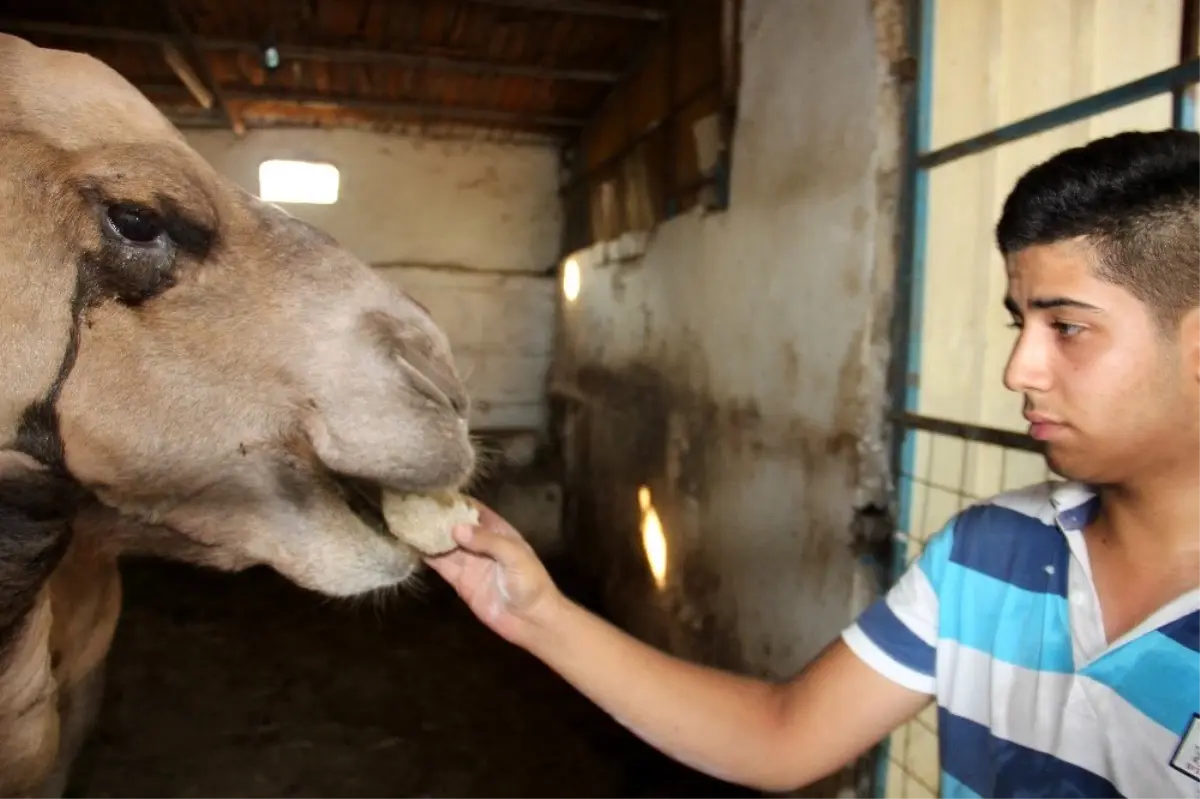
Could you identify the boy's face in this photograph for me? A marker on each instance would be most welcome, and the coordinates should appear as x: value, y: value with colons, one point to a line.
x: 1109, y: 393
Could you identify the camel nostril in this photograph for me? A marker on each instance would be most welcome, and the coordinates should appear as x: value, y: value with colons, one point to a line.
x: 430, y: 368
x: 459, y: 401
x: 437, y: 382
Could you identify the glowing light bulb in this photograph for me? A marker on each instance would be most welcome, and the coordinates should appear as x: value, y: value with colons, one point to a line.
x: 571, y: 280
x: 654, y: 541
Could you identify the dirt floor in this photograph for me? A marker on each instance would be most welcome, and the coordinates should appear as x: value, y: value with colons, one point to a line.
x: 243, y: 685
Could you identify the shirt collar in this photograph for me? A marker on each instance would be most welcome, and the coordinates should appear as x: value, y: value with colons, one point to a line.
x: 1075, y: 505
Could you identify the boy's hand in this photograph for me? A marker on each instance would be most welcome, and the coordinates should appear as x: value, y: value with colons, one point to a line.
x: 499, y: 577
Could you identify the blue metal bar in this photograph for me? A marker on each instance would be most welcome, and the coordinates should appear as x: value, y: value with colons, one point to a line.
x: 910, y: 279
x: 1135, y: 91
x: 1183, y: 107
x: 1183, y: 114
x: 909, y: 294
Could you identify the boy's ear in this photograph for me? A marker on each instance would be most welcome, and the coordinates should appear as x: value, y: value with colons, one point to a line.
x: 1189, y: 340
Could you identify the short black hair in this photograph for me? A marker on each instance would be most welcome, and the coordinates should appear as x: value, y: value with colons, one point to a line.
x: 1135, y: 198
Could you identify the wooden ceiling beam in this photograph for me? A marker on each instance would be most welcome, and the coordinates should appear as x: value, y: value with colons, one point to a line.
x: 187, y: 76
x: 441, y: 113
x: 310, y: 53
x: 434, y: 62
x: 583, y: 8
x: 184, y: 34
x: 25, y: 27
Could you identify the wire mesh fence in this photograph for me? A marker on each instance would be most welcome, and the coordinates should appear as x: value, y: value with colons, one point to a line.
x: 949, y: 473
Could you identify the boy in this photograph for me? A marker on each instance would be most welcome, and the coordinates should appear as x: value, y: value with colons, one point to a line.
x: 1056, y: 627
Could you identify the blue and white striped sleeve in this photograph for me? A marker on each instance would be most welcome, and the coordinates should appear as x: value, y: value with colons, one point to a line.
x: 897, y: 635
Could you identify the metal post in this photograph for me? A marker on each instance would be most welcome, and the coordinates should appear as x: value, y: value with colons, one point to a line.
x: 1135, y: 91
x: 667, y: 173
x: 910, y: 288
x: 1183, y: 106
x: 907, y: 313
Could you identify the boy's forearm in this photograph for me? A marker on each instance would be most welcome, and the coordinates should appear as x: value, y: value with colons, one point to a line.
x: 719, y: 723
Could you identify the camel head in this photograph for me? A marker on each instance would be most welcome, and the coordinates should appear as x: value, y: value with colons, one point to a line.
x: 224, y: 383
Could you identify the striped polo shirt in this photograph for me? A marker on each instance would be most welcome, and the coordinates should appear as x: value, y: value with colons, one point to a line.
x: 998, y: 619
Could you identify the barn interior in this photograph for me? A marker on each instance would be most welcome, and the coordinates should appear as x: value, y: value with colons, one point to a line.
x: 706, y: 266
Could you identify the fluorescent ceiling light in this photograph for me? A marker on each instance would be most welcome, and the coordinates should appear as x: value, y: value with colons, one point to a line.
x: 281, y: 181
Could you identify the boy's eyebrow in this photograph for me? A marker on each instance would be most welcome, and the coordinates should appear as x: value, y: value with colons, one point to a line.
x: 1045, y: 303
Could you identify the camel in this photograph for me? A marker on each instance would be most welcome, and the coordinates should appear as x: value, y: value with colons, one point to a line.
x: 189, y: 373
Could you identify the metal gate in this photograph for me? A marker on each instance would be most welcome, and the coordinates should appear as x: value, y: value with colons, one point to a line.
x: 956, y: 431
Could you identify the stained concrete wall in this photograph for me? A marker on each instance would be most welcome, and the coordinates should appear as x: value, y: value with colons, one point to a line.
x: 468, y: 228
x: 734, y: 364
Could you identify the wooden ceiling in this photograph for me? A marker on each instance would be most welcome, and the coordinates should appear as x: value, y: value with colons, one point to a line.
x: 541, y: 67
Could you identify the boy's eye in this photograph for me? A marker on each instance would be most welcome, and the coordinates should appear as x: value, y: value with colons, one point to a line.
x: 1067, y: 329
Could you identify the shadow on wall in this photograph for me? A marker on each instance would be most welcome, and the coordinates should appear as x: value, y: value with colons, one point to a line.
x: 625, y: 438
x: 637, y: 453
x: 627, y: 433
x: 520, y: 478
x: 613, y: 433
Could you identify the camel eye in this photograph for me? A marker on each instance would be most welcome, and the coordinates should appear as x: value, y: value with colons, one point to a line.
x: 135, y: 225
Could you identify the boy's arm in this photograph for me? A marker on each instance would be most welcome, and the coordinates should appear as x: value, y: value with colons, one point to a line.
x: 774, y: 737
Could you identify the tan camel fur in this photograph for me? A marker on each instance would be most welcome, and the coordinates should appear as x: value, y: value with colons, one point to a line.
x: 188, y: 372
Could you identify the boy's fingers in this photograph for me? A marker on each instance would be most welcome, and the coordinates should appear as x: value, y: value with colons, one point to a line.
x: 483, y: 541
x: 449, y: 566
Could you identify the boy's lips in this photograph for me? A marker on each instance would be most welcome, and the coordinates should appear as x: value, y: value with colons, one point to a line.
x: 1042, y: 427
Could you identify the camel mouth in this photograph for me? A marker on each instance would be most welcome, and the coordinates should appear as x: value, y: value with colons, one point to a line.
x: 364, y: 498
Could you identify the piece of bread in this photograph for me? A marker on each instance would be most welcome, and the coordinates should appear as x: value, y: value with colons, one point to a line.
x: 425, y: 521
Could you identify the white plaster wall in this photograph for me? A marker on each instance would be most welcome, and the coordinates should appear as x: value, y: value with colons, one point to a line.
x: 779, y: 305
x: 465, y: 227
